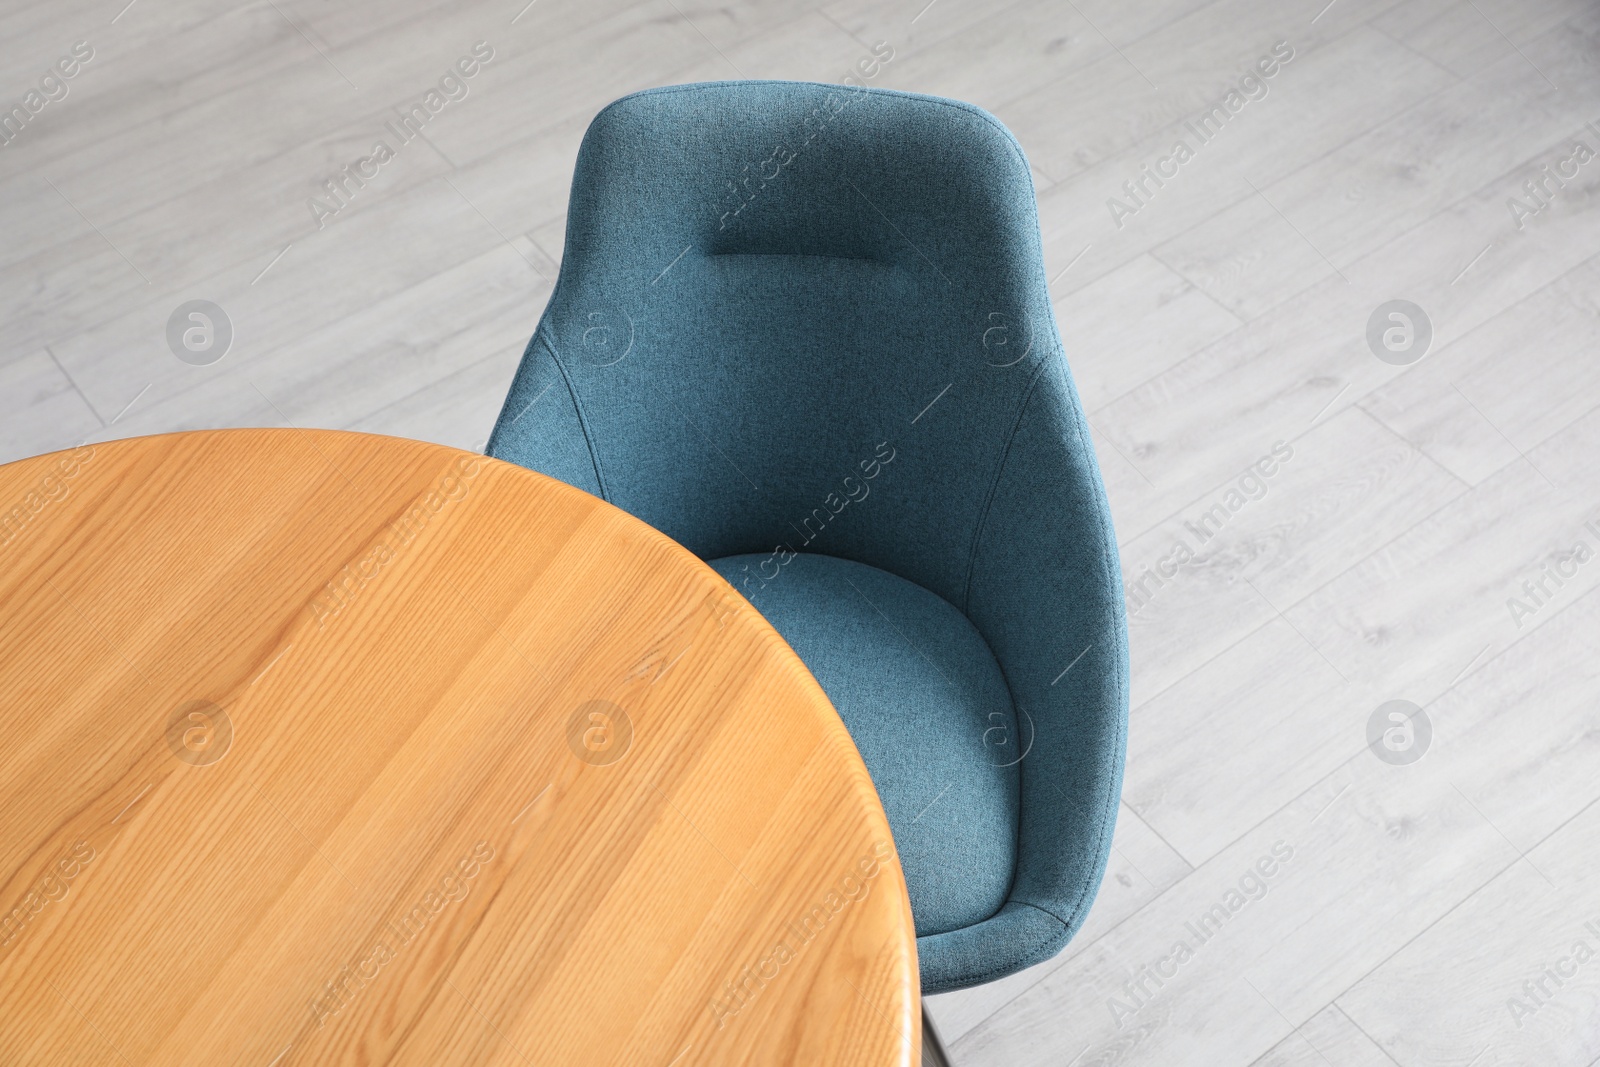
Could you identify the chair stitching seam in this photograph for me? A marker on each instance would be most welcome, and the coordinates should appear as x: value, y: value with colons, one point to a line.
x: 994, y: 484
x: 972, y: 557
x: 577, y: 407
x: 1029, y: 959
x: 1080, y: 426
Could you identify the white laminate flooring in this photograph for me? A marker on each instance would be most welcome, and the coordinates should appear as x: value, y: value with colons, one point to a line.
x: 1440, y: 912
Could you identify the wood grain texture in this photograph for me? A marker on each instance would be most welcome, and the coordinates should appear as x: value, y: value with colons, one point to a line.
x: 403, y: 840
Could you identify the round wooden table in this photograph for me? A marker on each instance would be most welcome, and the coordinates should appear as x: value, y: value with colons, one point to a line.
x: 329, y: 748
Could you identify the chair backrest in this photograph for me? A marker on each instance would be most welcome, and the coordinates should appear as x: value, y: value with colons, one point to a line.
x: 792, y: 316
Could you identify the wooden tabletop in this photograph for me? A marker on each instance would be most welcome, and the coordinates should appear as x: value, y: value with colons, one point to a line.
x: 329, y: 748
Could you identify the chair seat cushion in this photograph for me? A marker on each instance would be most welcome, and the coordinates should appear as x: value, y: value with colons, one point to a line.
x: 929, y: 710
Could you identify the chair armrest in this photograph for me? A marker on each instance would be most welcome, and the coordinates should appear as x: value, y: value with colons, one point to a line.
x: 1045, y: 590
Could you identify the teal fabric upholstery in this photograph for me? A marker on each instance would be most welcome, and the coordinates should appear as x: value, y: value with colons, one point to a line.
x: 928, y: 707
x: 797, y: 321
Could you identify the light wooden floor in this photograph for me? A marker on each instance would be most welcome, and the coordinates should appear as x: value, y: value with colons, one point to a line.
x: 1418, y: 904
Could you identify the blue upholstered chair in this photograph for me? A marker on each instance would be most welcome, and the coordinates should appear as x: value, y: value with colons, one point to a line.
x: 804, y: 330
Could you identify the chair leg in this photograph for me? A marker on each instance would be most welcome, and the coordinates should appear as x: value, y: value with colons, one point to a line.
x: 933, y: 1053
